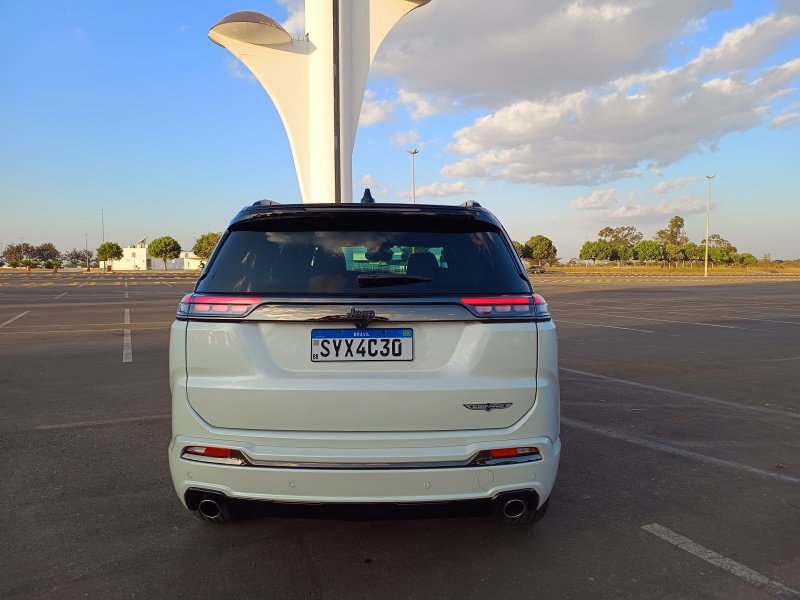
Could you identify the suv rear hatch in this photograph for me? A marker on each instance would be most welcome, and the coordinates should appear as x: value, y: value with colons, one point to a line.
x: 347, y: 318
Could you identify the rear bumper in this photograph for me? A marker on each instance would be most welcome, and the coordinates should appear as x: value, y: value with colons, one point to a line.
x: 363, y: 486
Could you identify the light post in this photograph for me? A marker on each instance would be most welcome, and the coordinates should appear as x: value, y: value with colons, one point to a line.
x: 87, y: 250
x: 708, y: 218
x: 413, y: 154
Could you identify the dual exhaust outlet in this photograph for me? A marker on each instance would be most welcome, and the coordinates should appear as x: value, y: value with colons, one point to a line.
x: 211, y: 506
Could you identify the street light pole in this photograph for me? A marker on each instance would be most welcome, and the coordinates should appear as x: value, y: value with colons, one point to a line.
x: 413, y: 154
x: 103, y: 224
x: 708, y: 218
x: 87, y: 250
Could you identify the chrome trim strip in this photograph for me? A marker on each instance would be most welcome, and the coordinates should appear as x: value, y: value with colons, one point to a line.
x: 233, y: 461
x: 479, y: 459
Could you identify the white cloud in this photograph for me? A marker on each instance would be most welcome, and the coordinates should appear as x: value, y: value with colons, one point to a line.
x: 440, y: 190
x: 367, y: 181
x: 522, y: 49
x: 685, y: 205
x: 593, y: 137
x: 598, y: 199
x: 296, y: 21
x: 577, y: 92
x: 786, y: 120
x: 237, y: 70
x: 424, y: 105
x: 404, y: 139
x: 375, y: 111
x: 673, y: 184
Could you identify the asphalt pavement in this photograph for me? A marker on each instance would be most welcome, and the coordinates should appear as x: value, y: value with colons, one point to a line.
x: 680, y: 472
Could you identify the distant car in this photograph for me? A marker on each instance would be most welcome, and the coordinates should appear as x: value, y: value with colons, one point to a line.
x: 537, y: 269
x: 364, y: 354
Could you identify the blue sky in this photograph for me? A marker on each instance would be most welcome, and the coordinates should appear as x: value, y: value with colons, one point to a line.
x: 562, y: 118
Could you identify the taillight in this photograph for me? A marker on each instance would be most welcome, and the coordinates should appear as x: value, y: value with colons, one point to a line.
x: 206, y: 451
x: 219, y: 456
x: 508, y: 306
x: 506, y: 456
x: 217, y: 306
x: 508, y: 452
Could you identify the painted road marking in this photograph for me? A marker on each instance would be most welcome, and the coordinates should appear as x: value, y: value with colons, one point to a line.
x: 127, y: 349
x: 61, y: 296
x: 677, y: 451
x: 103, y: 422
x: 755, y: 578
x: 557, y: 320
x: 655, y: 388
x: 14, y: 318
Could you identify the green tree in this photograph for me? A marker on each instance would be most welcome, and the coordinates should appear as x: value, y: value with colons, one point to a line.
x: 748, y: 260
x: 165, y: 248
x: 621, y: 253
x: 621, y: 236
x: 598, y: 250
x: 648, y: 250
x: 522, y: 250
x: 673, y: 234
x: 693, y: 252
x: 45, y: 252
x: 541, y: 248
x: 205, y: 244
x: 109, y: 252
x: 674, y: 253
x: 74, y: 257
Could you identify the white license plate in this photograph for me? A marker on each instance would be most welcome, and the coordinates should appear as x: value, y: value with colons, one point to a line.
x: 329, y: 345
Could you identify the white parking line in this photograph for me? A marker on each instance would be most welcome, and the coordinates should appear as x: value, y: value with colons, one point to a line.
x: 677, y: 451
x: 755, y: 578
x: 656, y: 388
x: 61, y: 296
x: 103, y: 422
x: 127, y: 349
x: 15, y: 318
x: 557, y: 321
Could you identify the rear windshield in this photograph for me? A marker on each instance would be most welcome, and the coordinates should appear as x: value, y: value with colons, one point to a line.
x: 380, y: 256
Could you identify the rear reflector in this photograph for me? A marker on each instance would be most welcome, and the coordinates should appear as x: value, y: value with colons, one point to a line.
x: 507, y: 452
x: 217, y: 306
x: 206, y: 451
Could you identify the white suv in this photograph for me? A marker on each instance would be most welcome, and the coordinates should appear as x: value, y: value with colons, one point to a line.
x: 361, y: 354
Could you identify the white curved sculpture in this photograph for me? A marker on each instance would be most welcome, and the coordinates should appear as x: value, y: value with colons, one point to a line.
x: 317, y: 84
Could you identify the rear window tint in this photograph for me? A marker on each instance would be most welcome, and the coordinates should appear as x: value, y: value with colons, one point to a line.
x: 325, y: 255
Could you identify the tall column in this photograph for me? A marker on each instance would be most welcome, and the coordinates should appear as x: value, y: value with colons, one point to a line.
x: 317, y: 85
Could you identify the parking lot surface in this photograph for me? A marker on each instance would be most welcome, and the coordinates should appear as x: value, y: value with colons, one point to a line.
x: 680, y: 473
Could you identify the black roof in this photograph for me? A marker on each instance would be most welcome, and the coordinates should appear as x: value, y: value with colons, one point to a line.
x: 269, y: 208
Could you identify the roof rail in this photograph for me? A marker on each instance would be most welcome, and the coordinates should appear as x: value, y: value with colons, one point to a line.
x: 265, y: 203
x: 471, y: 204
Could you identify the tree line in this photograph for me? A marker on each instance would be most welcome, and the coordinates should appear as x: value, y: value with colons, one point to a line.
x: 47, y: 256
x: 670, y: 245
x: 623, y: 244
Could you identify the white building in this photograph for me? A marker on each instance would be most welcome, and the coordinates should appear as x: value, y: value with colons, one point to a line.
x: 136, y: 258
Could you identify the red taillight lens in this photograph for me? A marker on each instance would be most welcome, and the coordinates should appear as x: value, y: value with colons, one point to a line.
x: 507, y: 452
x: 206, y: 451
x: 217, y: 306
x: 500, y: 306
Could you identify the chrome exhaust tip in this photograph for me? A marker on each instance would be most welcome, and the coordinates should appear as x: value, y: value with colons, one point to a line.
x: 514, y: 508
x: 209, y: 508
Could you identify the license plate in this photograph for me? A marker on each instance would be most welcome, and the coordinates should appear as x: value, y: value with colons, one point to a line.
x: 329, y: 345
